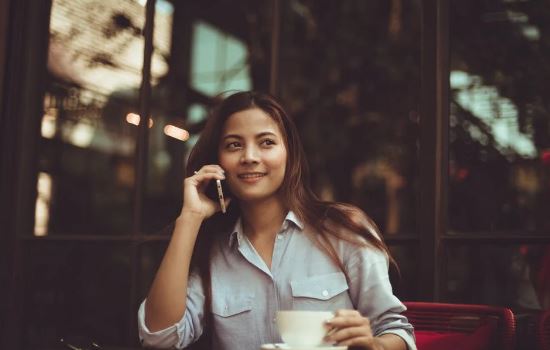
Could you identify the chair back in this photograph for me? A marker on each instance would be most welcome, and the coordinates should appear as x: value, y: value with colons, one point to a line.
x: 464, y: 326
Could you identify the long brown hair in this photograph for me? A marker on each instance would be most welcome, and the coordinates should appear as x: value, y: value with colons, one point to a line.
x: 328, y: 220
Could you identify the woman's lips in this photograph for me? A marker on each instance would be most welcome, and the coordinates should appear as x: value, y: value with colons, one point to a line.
x: 251, y: 177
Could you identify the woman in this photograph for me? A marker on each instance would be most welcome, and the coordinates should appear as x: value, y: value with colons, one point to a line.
x: 278, y: 247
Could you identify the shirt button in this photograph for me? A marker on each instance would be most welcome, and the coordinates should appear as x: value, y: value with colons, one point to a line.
x: 325, y: 293
x: 279, y: 236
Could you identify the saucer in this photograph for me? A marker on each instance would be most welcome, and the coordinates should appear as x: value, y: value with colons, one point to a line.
x: 283, y: 346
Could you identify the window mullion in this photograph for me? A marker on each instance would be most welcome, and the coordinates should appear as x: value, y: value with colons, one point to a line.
x: 141, y: 162
x: 433, y: 144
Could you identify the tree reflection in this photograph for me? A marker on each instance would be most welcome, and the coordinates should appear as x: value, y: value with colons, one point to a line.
x: 499, y: 138
x: 351, y: 73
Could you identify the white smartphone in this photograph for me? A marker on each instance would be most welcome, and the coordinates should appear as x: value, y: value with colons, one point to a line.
x: 220, y: 195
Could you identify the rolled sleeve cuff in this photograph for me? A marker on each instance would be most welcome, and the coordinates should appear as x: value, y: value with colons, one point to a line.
x: 164, y: 339
x: 404, y: 334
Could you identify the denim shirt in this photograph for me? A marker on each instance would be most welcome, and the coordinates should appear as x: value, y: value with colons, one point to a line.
x: 246, y: 294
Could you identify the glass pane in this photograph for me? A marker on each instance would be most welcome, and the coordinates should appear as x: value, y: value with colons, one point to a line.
x: 405, y: 281
x: 350, y: 76
x: 516, y: 276
x: 78, y: 292
x: 150, y: 257
x: 86, y: 160
x: 500, y: 116
x: 219, y: 61
x: 220, y: 47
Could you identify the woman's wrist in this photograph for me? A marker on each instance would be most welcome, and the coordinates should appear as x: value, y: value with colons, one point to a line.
x: 190, y: 214
x: 188, y: 224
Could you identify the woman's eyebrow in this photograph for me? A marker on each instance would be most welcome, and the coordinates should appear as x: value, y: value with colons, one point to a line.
x: 265, y: 133
x: 262, y: 134
x: 234, y: 136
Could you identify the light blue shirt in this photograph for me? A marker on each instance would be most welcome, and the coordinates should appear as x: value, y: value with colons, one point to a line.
x: 246, y: 294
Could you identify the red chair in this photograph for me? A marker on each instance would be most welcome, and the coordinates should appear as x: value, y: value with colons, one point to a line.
x: 543, y: 331
x: 462, y: 327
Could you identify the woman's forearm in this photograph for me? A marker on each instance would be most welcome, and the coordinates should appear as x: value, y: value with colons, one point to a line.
x: 166, y: 300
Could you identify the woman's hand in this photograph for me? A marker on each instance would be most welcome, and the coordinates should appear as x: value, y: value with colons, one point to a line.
x: 350, y: 328
x: 195, y: 200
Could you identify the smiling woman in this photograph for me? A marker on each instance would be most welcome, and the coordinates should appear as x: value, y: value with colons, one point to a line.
x: 253, y: 155
x: 278, y: 247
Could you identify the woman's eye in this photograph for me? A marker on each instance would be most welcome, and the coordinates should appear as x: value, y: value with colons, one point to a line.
x: 268, y: 142
x: 232, y: 145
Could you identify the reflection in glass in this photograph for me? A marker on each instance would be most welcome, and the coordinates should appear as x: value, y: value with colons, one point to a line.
x: 499, y: 125
x: 404, y: 281
x: 516, y: 276
x: 76, y: 290
x: 88, y: 144
x: 350, y: 77
x: 43, y: 198
x: 150, y: 257
x: 217, y: 50
x: 219, y: 61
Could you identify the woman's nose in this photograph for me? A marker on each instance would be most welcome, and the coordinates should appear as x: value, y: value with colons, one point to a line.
x: 250, y: 155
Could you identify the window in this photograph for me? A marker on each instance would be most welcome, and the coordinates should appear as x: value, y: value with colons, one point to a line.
x: 500, y: 136
x: 499, y: 168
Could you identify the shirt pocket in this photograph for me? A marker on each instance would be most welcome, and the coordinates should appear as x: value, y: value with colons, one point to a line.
x: 321, y: 292
x: 233, y: 316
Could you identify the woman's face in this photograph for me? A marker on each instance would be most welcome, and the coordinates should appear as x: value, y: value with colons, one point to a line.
x: 253, y: 154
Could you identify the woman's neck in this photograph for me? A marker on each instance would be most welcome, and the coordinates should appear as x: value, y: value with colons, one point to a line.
x: 261, y: 219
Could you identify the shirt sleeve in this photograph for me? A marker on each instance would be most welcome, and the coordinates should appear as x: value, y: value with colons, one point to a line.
x: 182, y: 333
x: 372, y: 295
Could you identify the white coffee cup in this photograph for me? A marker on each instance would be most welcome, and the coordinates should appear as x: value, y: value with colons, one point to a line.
x: 303, y: 328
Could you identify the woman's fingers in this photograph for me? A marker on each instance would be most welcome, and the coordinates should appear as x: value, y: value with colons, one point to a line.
x: 350, y: 328
x: 347, y: 313
x: 347, y: 318
x: 194, y: 197
x: 204, y: 175
x: 210, y: 168
x: 345, y: 334
x: 203, y: 179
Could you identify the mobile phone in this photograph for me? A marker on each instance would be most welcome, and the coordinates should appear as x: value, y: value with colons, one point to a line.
x: 217, y: 191
x: 220, y: 195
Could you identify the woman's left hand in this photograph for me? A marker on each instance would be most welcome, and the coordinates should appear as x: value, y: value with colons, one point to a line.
x: 350, y: 328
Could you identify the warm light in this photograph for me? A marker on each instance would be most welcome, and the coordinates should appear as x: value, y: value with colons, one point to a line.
x: 177, y: 133
x: 48, y: 126
x: 134, y: 118
x: 42, y: 209
x: 82, y: 135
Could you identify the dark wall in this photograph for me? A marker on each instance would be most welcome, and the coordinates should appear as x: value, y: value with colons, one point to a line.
x: 23, y: 57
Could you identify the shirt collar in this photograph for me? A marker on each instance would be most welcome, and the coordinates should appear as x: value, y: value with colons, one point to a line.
x: 238, y: 233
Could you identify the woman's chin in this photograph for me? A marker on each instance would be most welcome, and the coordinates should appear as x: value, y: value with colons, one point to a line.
x: 250, y: 196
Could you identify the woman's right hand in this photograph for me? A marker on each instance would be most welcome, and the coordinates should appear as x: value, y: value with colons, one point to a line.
x: 195, y: 200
